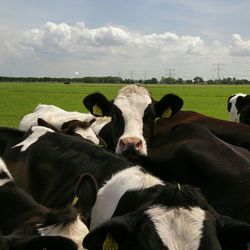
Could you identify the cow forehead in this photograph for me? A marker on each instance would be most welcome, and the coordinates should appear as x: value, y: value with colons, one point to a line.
x: 132, y: 104
x: 133, y: 96
x: 178, y: 228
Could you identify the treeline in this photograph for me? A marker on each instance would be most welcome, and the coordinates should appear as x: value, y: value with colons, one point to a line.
x: 114, y: 79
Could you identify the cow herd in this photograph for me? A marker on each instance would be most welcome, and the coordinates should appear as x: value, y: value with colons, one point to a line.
x: 134, y: 173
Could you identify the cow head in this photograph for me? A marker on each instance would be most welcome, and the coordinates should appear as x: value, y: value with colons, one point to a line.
x: 177, y: 217
x: 132, y: 112
x: 73, y: 127
x: 243, y: 107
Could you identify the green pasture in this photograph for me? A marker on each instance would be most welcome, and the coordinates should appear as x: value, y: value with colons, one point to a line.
x: 18, y: 99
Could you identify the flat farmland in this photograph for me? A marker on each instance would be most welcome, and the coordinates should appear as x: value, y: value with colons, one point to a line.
x: 18, y: 99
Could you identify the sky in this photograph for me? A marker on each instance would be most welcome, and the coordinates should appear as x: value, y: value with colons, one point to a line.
x: 132, y: 39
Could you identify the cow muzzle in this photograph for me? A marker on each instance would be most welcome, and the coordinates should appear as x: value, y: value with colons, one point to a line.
x: 130, y: 144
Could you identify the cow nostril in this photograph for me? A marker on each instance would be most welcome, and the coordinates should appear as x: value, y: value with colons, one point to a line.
x: 122, y: 144
x: 138, y: 145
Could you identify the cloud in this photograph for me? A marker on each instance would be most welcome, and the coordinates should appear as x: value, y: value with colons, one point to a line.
x: 78, y: 39
x: 60, y: 48
x: 239, y: 47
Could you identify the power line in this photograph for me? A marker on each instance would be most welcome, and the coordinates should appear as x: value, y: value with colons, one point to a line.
x: 170, y: 72
x: 132, y: 73
x: 218, y: 70
x: 145, y: 74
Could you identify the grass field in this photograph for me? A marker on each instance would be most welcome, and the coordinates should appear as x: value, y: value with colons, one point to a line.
x: 18, y: 99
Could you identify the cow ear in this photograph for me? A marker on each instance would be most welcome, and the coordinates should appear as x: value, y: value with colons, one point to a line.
x: 42, y: 122
x: 233, y: 234
x: 110, y: 234
x: 97, y: 104
x: 168, y: 106
x: 85, y: 194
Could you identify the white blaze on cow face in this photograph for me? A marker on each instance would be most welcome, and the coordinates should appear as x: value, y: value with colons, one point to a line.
x: 37, y: 132
x: 178, y: 228
x: 5, y: 175
x: 132, y: 102
x: 75, y: 231
x: 108, y: 196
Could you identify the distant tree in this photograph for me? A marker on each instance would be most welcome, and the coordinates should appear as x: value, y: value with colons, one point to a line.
x: 198, y: 79
x: 180, y: 80
x: 189, y: 81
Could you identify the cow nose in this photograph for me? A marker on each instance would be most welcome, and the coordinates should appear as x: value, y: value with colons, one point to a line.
x: 130, y: 142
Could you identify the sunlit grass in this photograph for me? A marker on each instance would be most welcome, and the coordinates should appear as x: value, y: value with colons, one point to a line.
x: 18, y: 99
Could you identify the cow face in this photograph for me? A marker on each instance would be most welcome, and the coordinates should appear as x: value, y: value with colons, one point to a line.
x: 132, y: 112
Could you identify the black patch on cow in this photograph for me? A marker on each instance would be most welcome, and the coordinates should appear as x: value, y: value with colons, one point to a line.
x: 4, y: 175
x: 170, y: 100
x: 229, y: 104
x: 148, y: 122
x: 34, y: 242
x: 243, y: 106
x: 118, y: 123
x: 100, y: 100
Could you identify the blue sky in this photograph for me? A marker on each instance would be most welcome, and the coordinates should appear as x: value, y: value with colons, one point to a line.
x: 110, y: 37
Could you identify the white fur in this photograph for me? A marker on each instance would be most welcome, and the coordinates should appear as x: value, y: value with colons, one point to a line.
x: 4, y: 169
x: 38, y: 131
x: 132, y: 100
x: 233, y: 113
x: 87, y: 133
x: 109, y: 195
x: 99, y: 123
x: 53, y: 115
x: 75, y: 231
x: 178, y: 228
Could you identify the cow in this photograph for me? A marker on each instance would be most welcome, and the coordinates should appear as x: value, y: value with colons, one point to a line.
x: 238, y: 107
x: 59, y: 168
x: 132, y: 112
x: 25, y: 224
x: 137, y: 211
x: 56, y: 168
x: 237, y: 134
x: 74, y: 123
x: 189, y: 153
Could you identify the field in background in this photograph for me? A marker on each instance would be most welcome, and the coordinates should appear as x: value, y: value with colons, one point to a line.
x: 18, y: 99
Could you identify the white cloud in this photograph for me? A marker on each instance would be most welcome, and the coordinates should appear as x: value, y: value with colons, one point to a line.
x: 61, y: 48
x: 239, y: 47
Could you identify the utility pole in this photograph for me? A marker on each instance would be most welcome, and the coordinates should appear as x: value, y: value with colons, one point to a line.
x: 132, y: 72
x: 218, y: 70
x: 170, y: 72
x: 145, y: 73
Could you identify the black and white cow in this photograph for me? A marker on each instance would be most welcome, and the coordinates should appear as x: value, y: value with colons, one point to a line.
x: 55, y: 168
x: 55, y: 165
x: 238, y: 107
x: 133, y: 112
x: 24, y: 224
x: 74, y: 123
x: 137, y: 211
